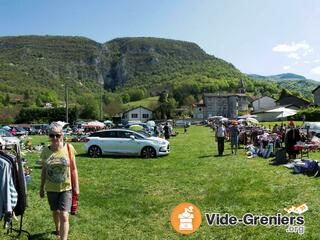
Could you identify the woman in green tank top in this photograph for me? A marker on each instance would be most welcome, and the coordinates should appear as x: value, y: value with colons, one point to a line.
x: 56, y: 179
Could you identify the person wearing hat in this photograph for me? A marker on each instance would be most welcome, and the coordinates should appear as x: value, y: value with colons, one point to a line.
x: 56, y: 179
x: 234, y: 137
x: 291, y: 138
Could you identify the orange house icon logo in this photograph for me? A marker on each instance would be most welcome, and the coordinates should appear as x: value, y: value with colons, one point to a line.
x: 186, y: 218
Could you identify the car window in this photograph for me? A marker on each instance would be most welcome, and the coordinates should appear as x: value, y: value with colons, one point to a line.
x: 110, y: 134
x: 4, y: 133
x: 106, y: 134
x: 124, y: 134
x: 96, y: 134
x: 137, y: 136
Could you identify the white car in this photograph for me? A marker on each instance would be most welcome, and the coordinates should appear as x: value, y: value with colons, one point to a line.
x: 125, y: 142
x: 8, y: 138
x: 311, y: 127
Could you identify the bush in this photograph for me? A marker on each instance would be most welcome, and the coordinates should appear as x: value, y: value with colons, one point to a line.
x: 45, y: 115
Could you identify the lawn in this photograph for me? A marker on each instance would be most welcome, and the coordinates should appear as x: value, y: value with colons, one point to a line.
x: 150, y: 102
x: 132, y: 198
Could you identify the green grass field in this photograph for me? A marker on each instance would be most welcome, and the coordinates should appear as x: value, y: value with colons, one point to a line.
x: 132, y: 198
x: 150, y: 102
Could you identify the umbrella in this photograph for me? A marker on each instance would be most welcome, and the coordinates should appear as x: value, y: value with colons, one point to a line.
x: 136, y: 127
x: 283, y: 112
x: 287, y: 113
x: 151, y: 123
x: 96, y: 124
x: 252, y: 120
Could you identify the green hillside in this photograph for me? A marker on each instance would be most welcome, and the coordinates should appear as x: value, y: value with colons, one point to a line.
x: 43, y: 63
x: 292, y: 82
x: 35, y: 70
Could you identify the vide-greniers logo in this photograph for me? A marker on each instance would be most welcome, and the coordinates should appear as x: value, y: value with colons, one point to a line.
x: 186, y: 218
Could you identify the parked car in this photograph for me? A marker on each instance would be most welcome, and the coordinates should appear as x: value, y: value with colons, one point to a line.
x: 311, y: 127
x: 8, y: 137
x: 39, y: 128
x: 28, y: 129
x: 2, y: 143
x: 125, y: 142
x: 18, y: 131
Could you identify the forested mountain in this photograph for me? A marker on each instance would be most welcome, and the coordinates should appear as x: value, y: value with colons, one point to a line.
x: 39, y: 66
x: 292, y: 82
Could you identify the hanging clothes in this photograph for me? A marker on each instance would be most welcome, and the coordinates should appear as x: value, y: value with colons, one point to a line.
x: 18, y: 183
x: 9, y: 195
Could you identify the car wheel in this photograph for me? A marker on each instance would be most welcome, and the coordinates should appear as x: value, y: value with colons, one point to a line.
x: 148, y: 152
x: 94, y: 151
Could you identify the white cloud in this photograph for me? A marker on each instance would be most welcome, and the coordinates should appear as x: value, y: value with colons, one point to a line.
x: 316, y: 60
x: 307, y: 52
x: 306, y: 62
x: 294, y: 55
x: 286, y: 68
x: 293, y: 47
x: 315, y: 70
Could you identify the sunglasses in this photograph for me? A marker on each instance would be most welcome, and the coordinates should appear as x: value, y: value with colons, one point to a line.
x: 51, y: 135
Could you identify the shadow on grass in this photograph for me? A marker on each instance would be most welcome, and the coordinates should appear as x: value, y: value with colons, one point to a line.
x: 308, y: 174
x: 42, y: 236
x: 273, y: 162
x: 216, y: 155
x: 208, y: 156
x: 117, y: 157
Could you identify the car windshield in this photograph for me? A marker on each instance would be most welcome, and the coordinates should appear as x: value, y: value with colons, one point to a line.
x: 141, y: 134
x: 4, y: 133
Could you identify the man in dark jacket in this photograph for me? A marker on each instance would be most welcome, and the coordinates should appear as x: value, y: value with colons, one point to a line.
x: 291, y: 138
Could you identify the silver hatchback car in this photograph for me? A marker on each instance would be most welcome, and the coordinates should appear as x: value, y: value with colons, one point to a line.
x: 125, y: 142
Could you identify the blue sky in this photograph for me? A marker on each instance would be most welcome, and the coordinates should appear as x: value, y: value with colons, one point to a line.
x: 262, y: 37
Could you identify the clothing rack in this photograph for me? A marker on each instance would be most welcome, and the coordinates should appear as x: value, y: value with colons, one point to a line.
x: 11, y: 229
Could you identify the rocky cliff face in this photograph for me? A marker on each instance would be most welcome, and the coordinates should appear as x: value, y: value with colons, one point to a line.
x: 41, y: 61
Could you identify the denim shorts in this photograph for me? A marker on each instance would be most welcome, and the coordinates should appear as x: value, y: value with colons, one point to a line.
x: 60, y: 201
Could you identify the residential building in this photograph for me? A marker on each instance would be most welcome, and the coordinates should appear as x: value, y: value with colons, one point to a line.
x: 227, y: 104
x: 142, y: 114
x: 262, y: 103
x: 316, y: 96
x: 198, y: 110
x: 292, y: 100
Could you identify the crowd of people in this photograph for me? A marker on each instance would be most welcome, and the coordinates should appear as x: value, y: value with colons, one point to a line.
x: 260, y: 139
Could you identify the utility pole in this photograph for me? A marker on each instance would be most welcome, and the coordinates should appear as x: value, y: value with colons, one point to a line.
x: 66, y: 95
x: 101, y: 117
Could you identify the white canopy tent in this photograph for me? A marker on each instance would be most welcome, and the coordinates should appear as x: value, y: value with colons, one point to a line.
x: 284, y: 112
x: 275, y: 114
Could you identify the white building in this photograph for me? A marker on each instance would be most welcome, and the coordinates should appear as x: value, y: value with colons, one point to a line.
x: 263, y: 103
x: 142, y: 114
x: 198, y: 110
